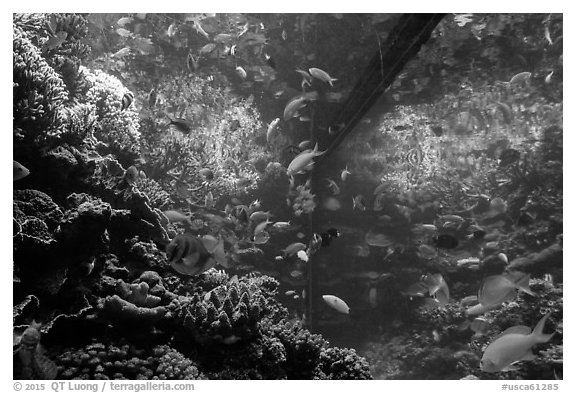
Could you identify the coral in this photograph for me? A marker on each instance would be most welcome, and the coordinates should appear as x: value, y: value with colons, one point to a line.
x: 123, y: 361
x: 38, y: 204
x: 39, y: 93
x: 302, y: 348
x: 29, y: 360
x: 137, y: 294
x: 86, y: 215
x: 341, y: 363
x: 115, y: 127
x: 120, y: 311
x: 158, y: 197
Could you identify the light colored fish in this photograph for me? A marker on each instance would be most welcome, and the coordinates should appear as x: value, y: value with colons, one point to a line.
x: 293, y: 248
x: 176, y: 216
x: 322, y: 75
x: 121, y: 53
x: 344, y: 174
x: 261, y: 227
x: 377, y: 239
x: 241, y: 72
x: 271, y: 132
x: 520, y: 77
x: 302, y: 255
x: 297, y: 103
x: 513, y: 345
x: 304, y: 161
x: 378, y: 206
x: 548, y: 78
x: 20, y: 171
x: 479, y: 326
x: 306, y: 78
x: 200, y: 30
x: 281, y: 225
x: 336, y: 303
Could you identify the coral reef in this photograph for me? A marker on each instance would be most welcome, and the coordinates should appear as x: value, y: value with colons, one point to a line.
x: 124, y: 361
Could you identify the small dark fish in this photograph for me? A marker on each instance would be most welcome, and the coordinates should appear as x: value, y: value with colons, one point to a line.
x: 269, y: 60
x: 206, y: 173
x: 152, y: 98
x: 20, y: 171
x: 131, y: 175
x: 445, y: 241
x: 127, y: 100
x: 437, y: 130
x: 333, y: 232
x: 182, y: 125
x: 192, y: 63
x: 508, y: 157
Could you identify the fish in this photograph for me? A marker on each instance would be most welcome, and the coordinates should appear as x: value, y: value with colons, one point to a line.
x: 278, y: 258
x: 479, y: 326
x: 182, y: 125
x: 373, y: 297
x: 333, y: 186
x: 513, y: 345
x: 359, y: 202
x: 548, y: 78
x: 306, y: 78
x: 208, y: 48
x: 284, y: 35
x: 260, y: 215
x: 302, y: 255
x: 269, y: 60
x: 122, y: 32
x: 547, y: 35
x: 344, y: 174
x: 497, y: 289
x: 297, y: 103
x: 121, y: 53
x: 55, y: 41
x: 336, y: 303
x: 200, y: 30
x: 427, y: 252
x: 176, y: 216
x: 270, y: 133
x: 20, y: 171
x: 209, y: 200
x: 307, y: 144
x: 304, y: 161
x: 281, y: 225
x: 331, y: 204
x: 378, y: 206
x: 322, y: 75
x: 241, y: 72
x: 451, y: 218
x: 293, y: 248
x: 188, y: 255
x: 503, y: 257
x: 243, y: 31
x: 377, y: 239
x: 418, y: 289
x: 192, y: 62
x: 498, y: 206
x: 260, y: 237
x: 261, y: 227
x: 131, y: 175
x: 127, y: 100
x: 290, y: 293
x: 124, y: 21
x: 445, y: 241
x: 380, y: 188
x: 520, y: 77
x: 206, y: 173
x: 472, y: 261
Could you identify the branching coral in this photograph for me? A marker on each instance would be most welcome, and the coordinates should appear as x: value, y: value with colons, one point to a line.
x: 341, y: 363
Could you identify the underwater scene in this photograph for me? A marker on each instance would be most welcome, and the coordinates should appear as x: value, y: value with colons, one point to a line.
x: 287, y: 196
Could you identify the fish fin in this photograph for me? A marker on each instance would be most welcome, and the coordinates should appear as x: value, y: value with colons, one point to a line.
x: 524, y: 330
x: 191, y: 260
x: 511, y: 367
x: 538, y: 334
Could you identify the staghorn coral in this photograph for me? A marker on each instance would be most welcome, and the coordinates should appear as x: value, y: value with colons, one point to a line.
x: 124, y: 361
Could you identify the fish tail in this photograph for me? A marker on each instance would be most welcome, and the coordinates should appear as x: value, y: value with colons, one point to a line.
x: 538, y: 332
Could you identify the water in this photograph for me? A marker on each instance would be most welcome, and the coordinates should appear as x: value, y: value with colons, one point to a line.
x: 442, y: 166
